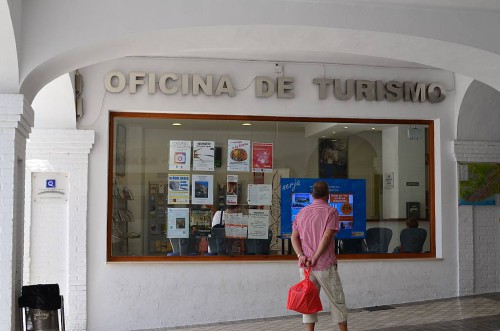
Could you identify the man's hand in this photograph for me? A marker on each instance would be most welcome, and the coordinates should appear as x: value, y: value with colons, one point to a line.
x: 311, y: 262
x: 303, y: 260
x: 323, y: 244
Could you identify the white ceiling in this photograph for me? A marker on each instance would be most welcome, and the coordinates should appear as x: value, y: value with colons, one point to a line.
x: 310, y: 129
x: 459, y: 36
x: 466, y: 4
x: 295, y: 57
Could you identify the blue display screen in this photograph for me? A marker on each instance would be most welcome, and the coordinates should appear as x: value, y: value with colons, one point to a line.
x: 348, y: 196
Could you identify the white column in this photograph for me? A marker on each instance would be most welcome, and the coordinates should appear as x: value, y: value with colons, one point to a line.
x: 390, y: 167
x: 62, y: 151
x: 404, y: 158
x: 476, y: 230
x: 465, y: 250
x: 16, y: 120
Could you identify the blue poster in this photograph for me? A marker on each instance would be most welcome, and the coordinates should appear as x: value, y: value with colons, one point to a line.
x: 348, y: 196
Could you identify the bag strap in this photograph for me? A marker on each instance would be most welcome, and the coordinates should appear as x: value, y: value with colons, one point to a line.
x: 221, y: 220
x: 307, y: 272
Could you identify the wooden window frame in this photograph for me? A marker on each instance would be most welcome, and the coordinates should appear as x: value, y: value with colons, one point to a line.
x: 364, y: 256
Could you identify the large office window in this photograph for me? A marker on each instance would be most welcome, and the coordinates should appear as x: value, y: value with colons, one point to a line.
x: 186, y: 187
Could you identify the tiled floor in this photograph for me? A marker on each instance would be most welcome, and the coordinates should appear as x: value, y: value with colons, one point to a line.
x: 472, y: 313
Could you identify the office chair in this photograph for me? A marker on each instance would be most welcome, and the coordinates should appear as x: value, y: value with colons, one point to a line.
x: 176, y: 247
x: 378, y: 239
x: 259, y: 246
x: 352, y: 246
x: 412, y: 240
x: 180, y: 247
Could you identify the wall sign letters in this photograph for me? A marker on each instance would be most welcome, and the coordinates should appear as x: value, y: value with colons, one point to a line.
x: 281, y: 87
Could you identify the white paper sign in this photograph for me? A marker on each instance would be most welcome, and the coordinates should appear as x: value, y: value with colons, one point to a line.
x: 203, y: 155
x: 260, y: 194
x: 180, y: 155
x: 178, y: 223
x: 389, y: 180
x: 49, y: 187
x: 236, y: 225
x: 203, y: 190
x: 258, y: 224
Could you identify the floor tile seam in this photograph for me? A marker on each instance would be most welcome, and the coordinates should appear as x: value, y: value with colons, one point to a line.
x: 249, y: 321
x: 457, y: 301
x: 438, y: 303
x: 480, y: 322
x: 265, y: 320
x: 459, y: 308
x: 428, y: 324
x: 433, y: 319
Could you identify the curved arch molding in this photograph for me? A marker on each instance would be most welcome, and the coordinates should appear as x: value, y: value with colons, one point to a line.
x: 479, y: 114
x: 283, y: 43
x: 9, y: 70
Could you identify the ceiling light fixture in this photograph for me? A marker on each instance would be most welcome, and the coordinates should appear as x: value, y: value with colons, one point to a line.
x: 246, y: 124
x: 176, y: 124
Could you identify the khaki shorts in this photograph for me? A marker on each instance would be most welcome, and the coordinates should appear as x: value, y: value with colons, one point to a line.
x: 329, y: 281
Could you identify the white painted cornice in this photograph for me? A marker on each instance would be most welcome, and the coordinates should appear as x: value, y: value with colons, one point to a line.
x: 15, y: 112
x: 477, y: 151
x: 50, y: 143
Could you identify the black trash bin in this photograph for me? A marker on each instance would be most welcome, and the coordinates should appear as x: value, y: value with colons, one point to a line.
x: 42, y: 308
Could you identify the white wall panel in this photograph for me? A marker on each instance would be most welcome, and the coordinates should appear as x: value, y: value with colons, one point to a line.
x: 168, y: 294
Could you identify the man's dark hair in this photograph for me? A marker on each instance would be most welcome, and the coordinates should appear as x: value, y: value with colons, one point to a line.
x: 320, y: 190
x: 412, y: 223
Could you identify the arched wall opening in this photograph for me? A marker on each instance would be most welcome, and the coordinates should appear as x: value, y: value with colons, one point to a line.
x: 273, y: 43
x: 479, y: 114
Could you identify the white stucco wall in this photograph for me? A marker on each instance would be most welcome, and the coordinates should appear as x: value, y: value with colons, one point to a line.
x: 125, y: 296
x: 486, y: 249
x: 55, y: 232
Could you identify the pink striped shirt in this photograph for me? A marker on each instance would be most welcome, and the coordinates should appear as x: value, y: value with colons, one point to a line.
x: 311, y: 223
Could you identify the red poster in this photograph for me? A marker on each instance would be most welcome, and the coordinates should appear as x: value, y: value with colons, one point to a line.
x: 262, y: 157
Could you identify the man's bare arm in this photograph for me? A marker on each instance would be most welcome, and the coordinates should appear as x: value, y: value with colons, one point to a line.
x: 297, y: 246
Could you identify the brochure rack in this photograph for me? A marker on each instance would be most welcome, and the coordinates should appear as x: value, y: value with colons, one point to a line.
x: 121, y: 217
x: 157, y: 243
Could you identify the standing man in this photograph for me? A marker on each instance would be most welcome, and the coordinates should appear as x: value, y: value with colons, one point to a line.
x: 313, y: 240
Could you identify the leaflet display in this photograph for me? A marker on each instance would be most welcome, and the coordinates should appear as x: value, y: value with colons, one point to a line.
x: 348, y: 196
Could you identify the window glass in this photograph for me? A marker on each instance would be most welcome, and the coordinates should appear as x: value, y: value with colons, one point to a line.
x: 209, y: 188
